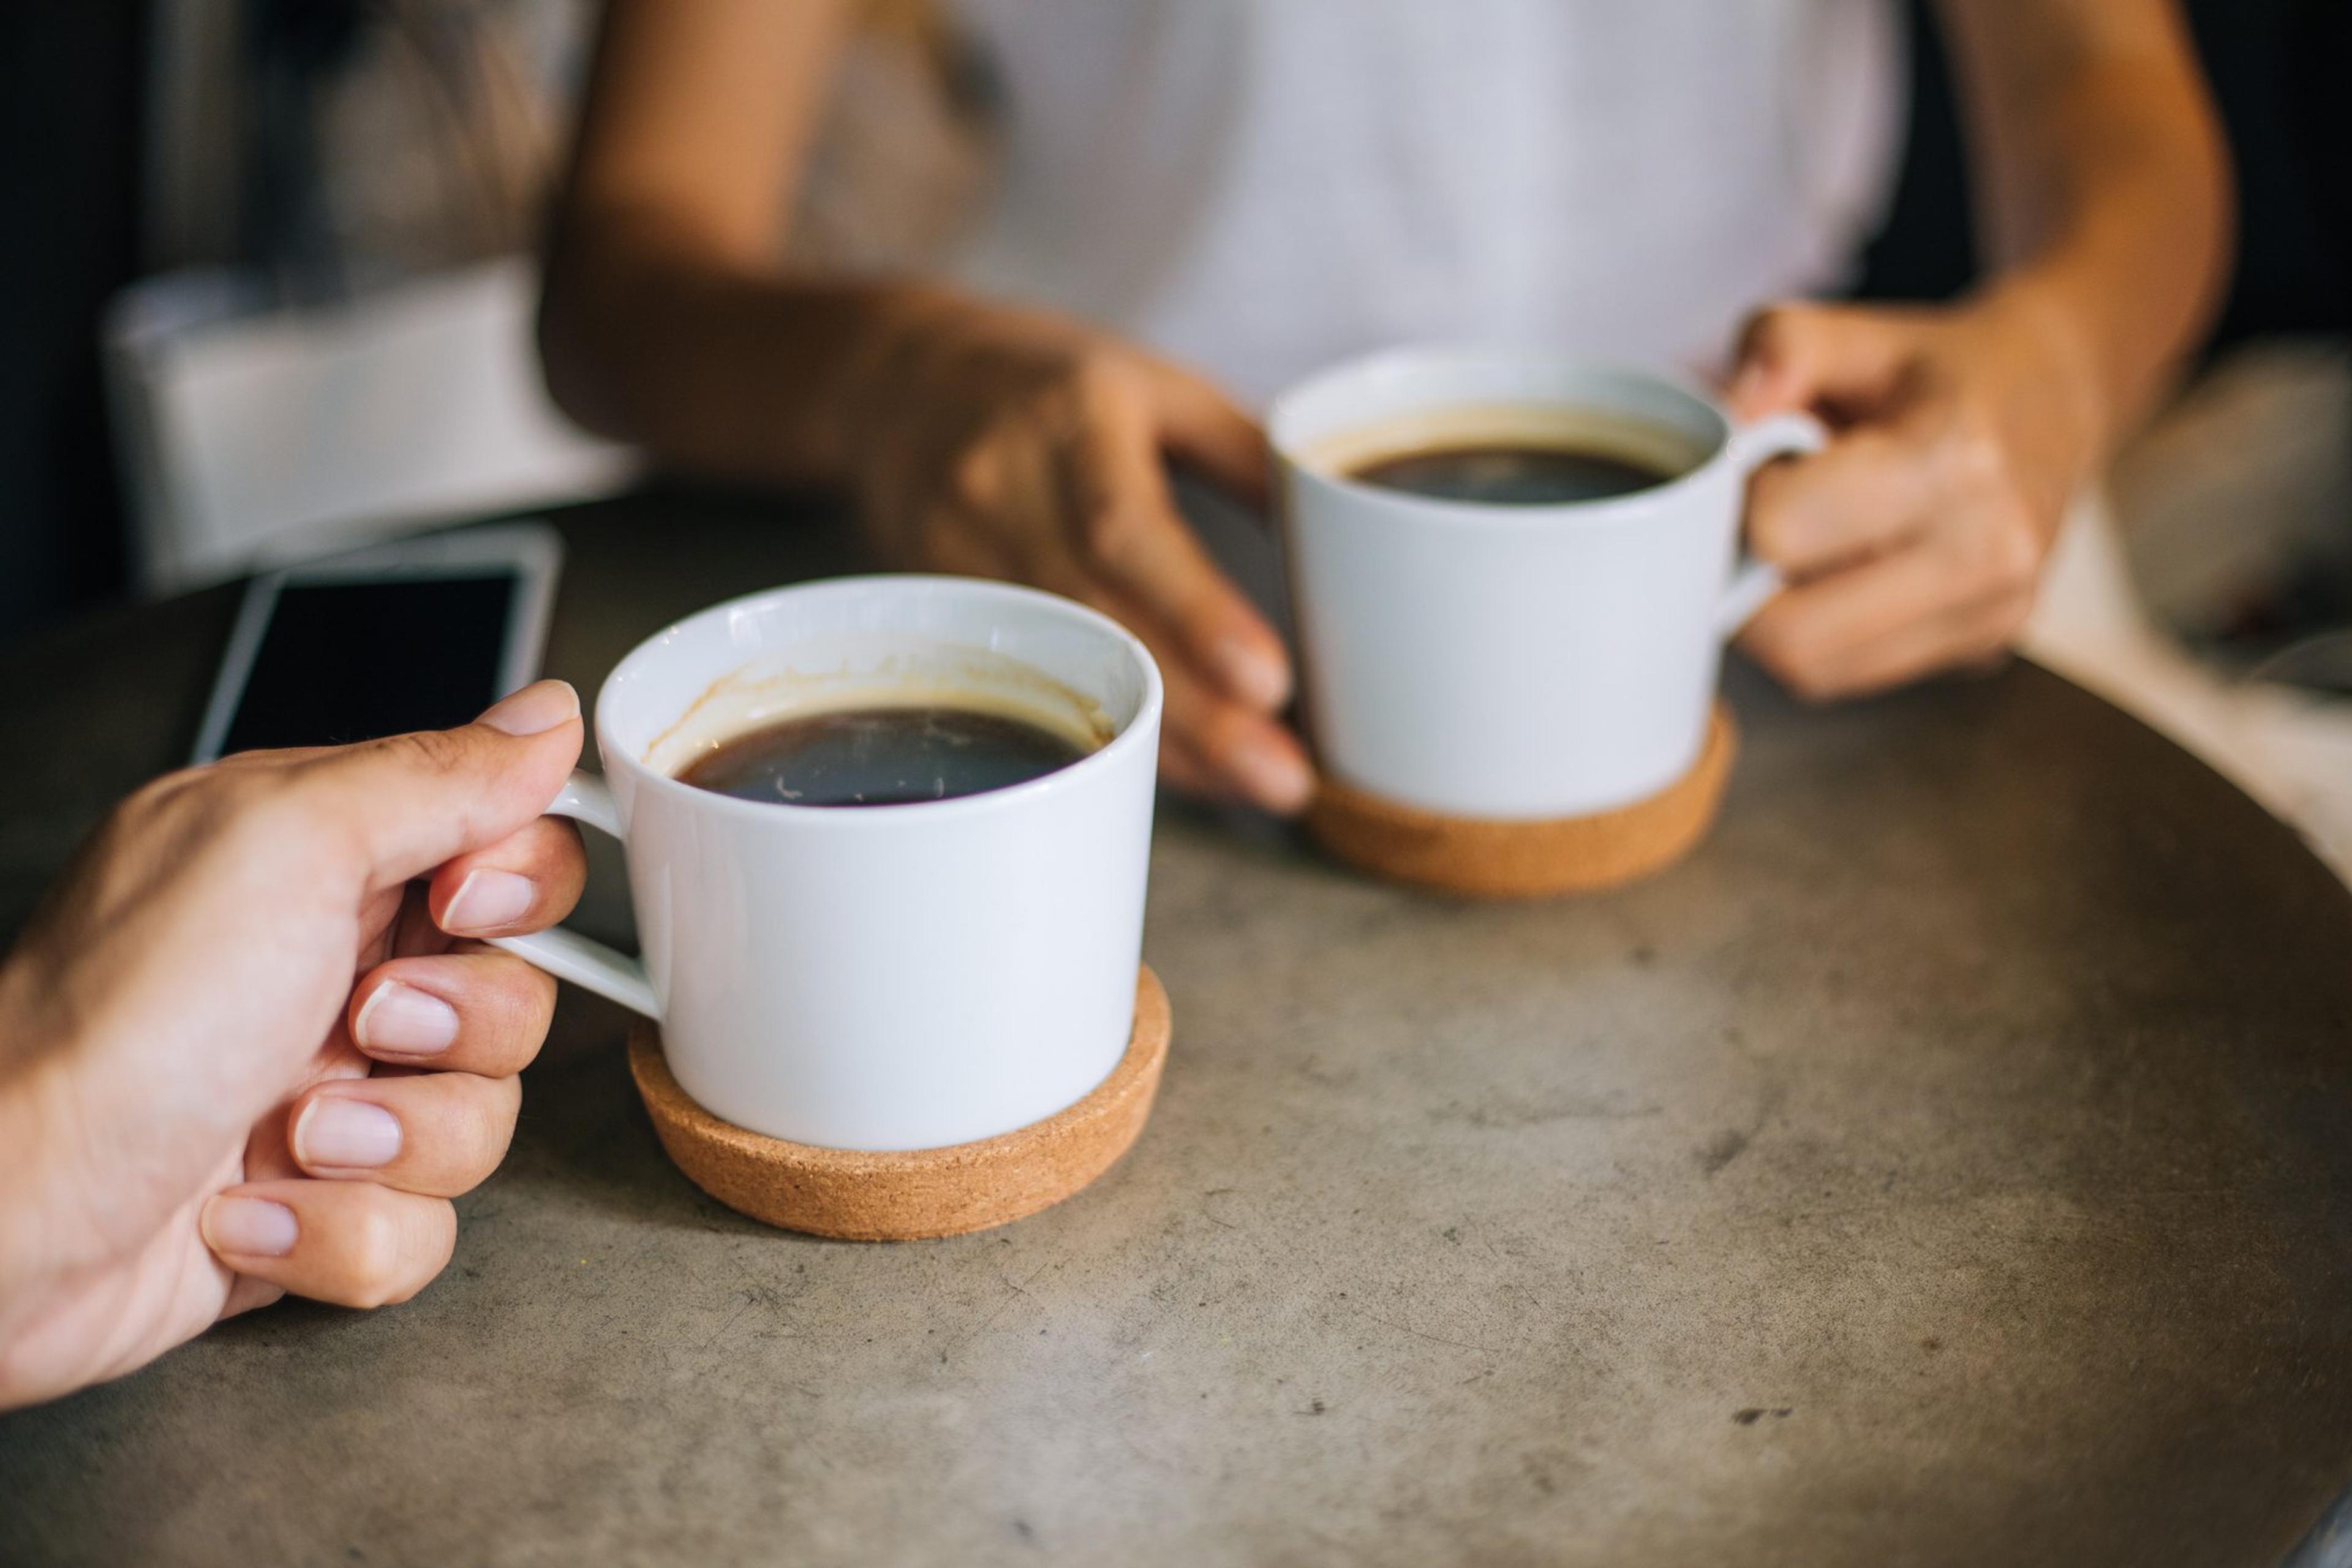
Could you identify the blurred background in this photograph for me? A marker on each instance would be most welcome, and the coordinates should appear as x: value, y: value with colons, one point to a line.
x: 270, y: 277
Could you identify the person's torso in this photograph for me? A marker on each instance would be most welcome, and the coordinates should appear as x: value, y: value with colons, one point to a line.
x: 1263, y: 186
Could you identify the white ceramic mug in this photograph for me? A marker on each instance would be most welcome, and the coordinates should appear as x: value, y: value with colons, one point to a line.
x: 882, y: 977
x: 1506, y: 661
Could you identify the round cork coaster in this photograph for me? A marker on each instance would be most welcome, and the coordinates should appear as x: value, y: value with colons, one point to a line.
x: 1489, y: 858
x: 909, y: 1195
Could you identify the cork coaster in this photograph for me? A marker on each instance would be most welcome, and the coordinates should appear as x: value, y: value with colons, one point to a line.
x: 909, y: 1195
x: 1492, y: 858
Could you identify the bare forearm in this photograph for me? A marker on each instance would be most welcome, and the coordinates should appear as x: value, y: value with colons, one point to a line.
x: 2138, y: 254
x: 666, y: 321
x: 2105, y: 187
x: 730, y: 371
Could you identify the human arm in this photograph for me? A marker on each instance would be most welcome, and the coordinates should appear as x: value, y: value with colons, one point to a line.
x: 248, y: 1047
x: 1914, y: 543
x: 976, y: 438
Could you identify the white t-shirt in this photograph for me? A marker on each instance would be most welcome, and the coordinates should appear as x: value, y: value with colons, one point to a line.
x: 1260, y: 187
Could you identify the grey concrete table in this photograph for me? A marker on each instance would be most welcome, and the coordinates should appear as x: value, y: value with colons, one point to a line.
x: 1950, y: 1163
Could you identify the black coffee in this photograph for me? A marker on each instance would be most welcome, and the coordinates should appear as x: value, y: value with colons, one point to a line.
x: 1511, y: 474
x: 881, y: 756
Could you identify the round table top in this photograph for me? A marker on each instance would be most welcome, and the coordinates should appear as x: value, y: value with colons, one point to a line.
x: 1951, y: 1162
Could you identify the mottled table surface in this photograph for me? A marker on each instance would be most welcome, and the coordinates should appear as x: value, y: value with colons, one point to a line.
x: 1950, y: 1163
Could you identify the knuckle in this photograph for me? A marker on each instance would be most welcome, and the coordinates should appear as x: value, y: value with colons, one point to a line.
x: 440, y: 1244
x: 1809, y: 682
x: 2010, y: 618
x: 1771, y: 329
x: 373, y: 1242
x: 1108, y: 392
x: 1052, y: 392
x: 975, y: 476
x: 437, y: 751
x: 553, y: 843
x: 1097, y: 375
x: 280, y: 807
x: 199, y: 784
x: 1775, y: 529
x: 2012, y: 557
x: 1978, y: 458
x: 1766, y: 641
x: 1107, y: 533
x: 1782, y: 332
x: 1791, y: 658
x: 540, y: 995
x: 212, y: 792
x: 534, y: 1005
x: 191, y: 800
x: 492, y: 1121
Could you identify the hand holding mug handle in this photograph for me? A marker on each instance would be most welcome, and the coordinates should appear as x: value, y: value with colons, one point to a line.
x: 1752, y: 446
x: 568, y: 955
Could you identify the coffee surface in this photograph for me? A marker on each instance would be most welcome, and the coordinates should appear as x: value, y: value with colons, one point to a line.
x: 881, y: 756
x: 1511, y: 474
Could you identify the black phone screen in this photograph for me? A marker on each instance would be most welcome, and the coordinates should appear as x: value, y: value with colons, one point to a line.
x: 353, y: 661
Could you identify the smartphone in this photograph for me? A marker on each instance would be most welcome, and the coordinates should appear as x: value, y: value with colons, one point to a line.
x: 421, y: 634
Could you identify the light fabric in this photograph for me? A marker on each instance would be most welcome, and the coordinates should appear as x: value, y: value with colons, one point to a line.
x: 1265, y: 186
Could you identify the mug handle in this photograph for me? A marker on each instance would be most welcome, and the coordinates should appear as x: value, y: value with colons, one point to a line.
x: 568, y: 955
x: 1752, y: 447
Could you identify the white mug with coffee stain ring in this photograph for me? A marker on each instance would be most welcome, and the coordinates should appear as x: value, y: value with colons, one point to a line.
x: 1510, y: 661
x: 905, y: 976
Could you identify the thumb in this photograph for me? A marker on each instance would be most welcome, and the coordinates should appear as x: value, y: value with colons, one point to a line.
x: 411, y: 802
x: 1803, y: 356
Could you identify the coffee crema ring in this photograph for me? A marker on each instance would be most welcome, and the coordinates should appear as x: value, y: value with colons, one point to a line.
x: 1489, y: 858
x: 911, y: 1194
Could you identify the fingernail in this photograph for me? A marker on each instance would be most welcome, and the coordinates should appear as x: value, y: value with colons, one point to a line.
x: 535, y: 710
x: 486, y: 900
x: 249, y: 1227
x: 1277, y: 780
x: 401, y: 1018
x: 348, y: 1134
x: 1254, y: 675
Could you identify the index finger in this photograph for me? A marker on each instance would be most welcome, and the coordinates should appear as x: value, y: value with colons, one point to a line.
x: 407, y: 803
x: 1868, y: 490
x: 1799, y: 355
x: 1131, y: 534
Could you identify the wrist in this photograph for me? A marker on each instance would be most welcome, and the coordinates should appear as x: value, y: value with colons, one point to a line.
x: 2042, y: 326
x: 929, y: 353
x: 2114, y: 360
x: 747, y: 375
x: 882, y: 378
